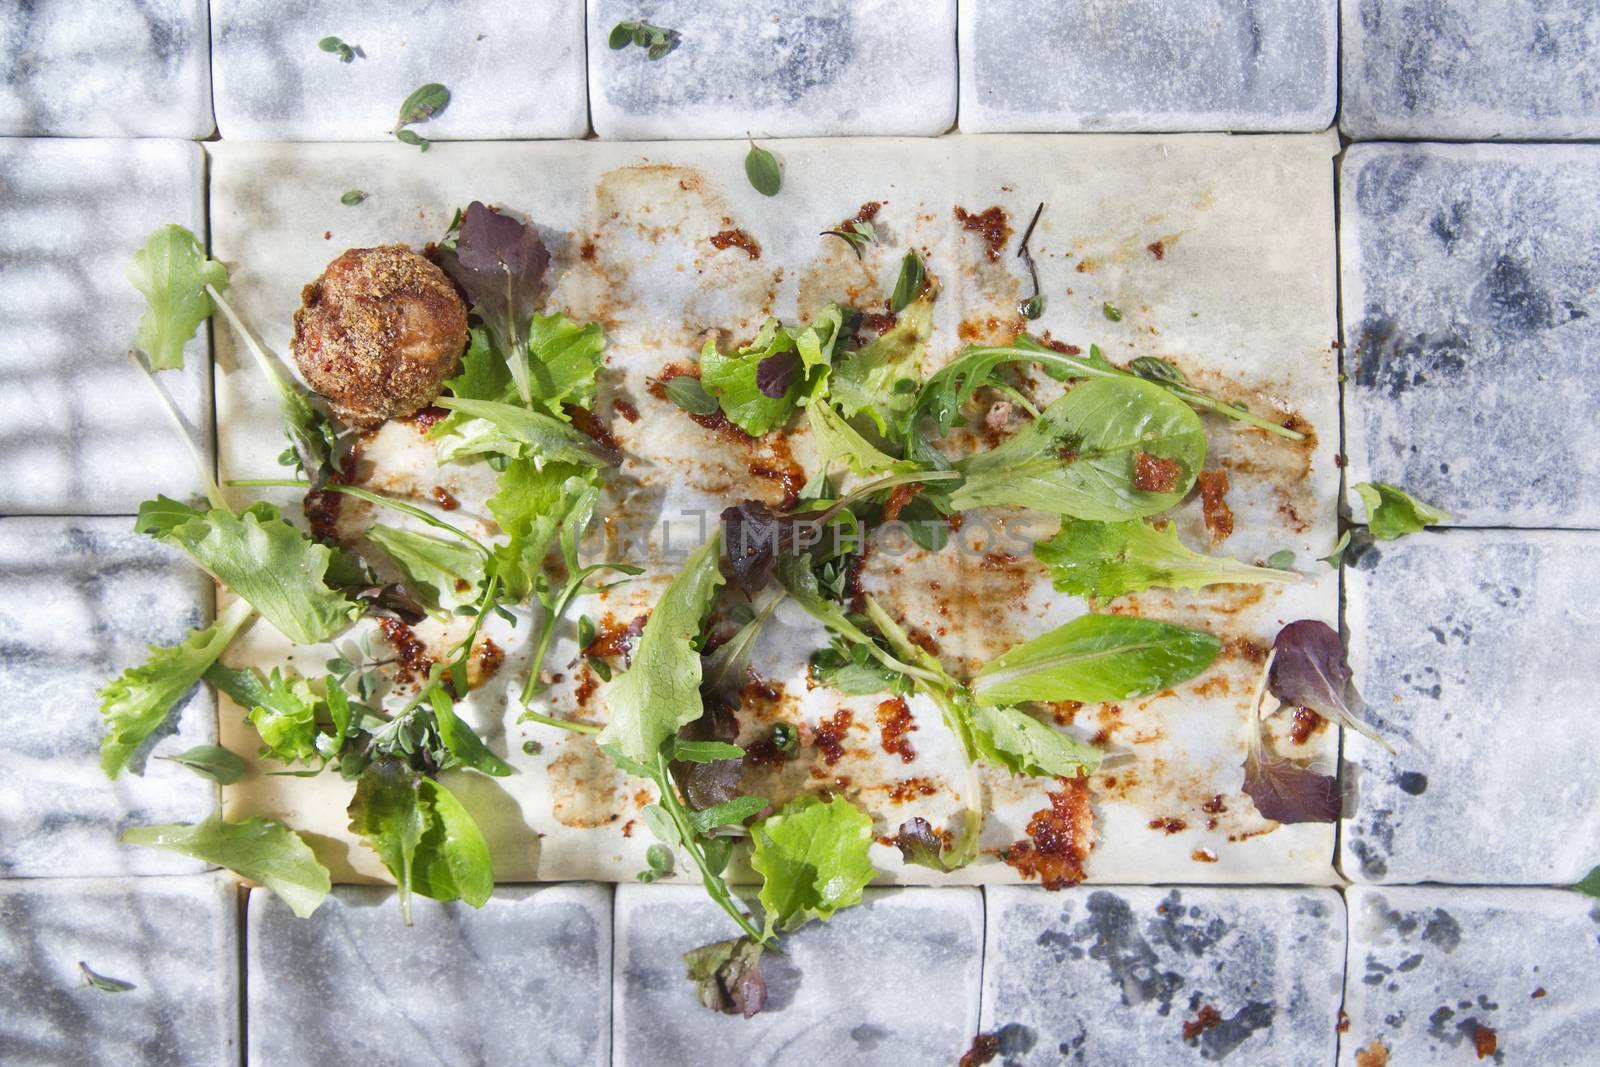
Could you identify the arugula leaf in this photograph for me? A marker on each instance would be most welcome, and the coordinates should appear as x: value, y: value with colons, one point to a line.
x: 1309, y: 671
x: 761, y: 167
x: 1078, y: 458
x: 387, y: 812
x: 812, y: 857
x: 705, y: 751
x: 1095, y: 658
x: 1011, y: 738
x: 262, y: 558
x: 727, y: 976
x: 446, y: 573
x: 138, y: 701
x: 839, y: 442
x: 210, y: 761
x: 523, y: 432
x: 501, y: 264
x: 1108, y: 559
x: 286, y: 718
x: 1392, y: 512
x: 262, y: 850
x: 661, y: 691
x: 1281, y: 789
x: 452, y: 858
x: 464, y: 744
x: 172, y: 271
x: 872, y: 381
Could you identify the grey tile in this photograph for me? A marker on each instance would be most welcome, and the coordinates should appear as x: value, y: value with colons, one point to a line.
x: 1117, y: 976
x: 1475, y: 653
x: 513, y: 70
x: 777, y: 69
x: 524, y: 980
x: 1473, y: 327
x: 83, y: 435
x: 892, y: 981
x: 1147, y: 65
x: 1469, y: 70
x: 121, y: 68
x: 1431, y: 966
x: 175, y: 939
x: 80, y: 599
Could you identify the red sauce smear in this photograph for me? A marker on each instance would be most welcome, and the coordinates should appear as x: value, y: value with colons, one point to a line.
x: 586, y: 687
x: 1169, y: 825
x: 1484, y: 1041
x: 423, y: 420
x: 1152, y: 474
x: 625, y: 409
x: 985, y: 1047
x: 912, y: 787
x: 990, y: 225
x: 899, y: 497
x: 1213, y: 491
x: 1059, y: 838
x: 1306, y: 723
x: 612, y: 638
x: 323, y: 506
x: 409, y: 649
x: 829, y: 736
x: 442, y: 497
x: 588, y: 423
x: 716, y: 422
x: 1157, y: 249
x: 868, y: 212
x: 894, y: 723
x: 490, y: 657
x: 737, y: 239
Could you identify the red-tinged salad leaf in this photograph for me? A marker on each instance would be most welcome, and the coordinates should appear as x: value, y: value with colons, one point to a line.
x: 727, y: 975
x: 758, y: 535
x: 920, y: 844
x: 1283, y: 790
x: 501, y: 264
x: 1309, y: 671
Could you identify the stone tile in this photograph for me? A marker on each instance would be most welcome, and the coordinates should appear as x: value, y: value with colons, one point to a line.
x: 513, y: 70
x: 80, y: 599
x: 1147, y: 65
x: 1471, y: 71
x: 85, y: 435
x: 1472, y: 328
x: 1115, y: 976
x: 175, y: 939
x: 124, y: 68
x: 524, y: 980
x: 1474, y: 650
x: 825, y: 68
x: 891, y: 981
x: 1431, y: 967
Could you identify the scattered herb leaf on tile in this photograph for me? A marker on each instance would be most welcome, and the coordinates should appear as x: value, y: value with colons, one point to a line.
x: 101, y: 982
x: 353, y: 197
x: 173, y: 273
x: 1392, y: 512
x: 727, y: 976
x: 425, y: 103
x: 262, y: 850
x: 210, y: 761
x: 1107, y: 559
x: 1309, y: 671
x: 1282, y: 790
x: 346, y: 53
x: 657, y: 41
x: 1111, y: 312
x: 1033, y: 306
x: 761, y: 167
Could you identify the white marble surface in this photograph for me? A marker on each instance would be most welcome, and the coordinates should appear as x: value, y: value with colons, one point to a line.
x: 117, y: 68
x: 513, y: 70
x: 1110, y: 976
x: 1472, y: 328
x: 83, y: 433
x: 1147, y: 65
x: 80, y: 599
x: 522, y: 982
x: 175, y: 939
x: 1471, y: 71
x: 891, y: 981
x: 656, y: 282
x: 1475, y: 651
x: 1430, y: 965
x: 825, y: 68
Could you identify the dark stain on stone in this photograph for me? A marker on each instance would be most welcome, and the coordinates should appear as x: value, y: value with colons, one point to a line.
x: 1512, y: 300
x: 1448, y: 223
x: 1194, y: 938
x: 1372, y: 864
x: 1442, y: 930
x: 1410, y: 963
x: 868, y: 1036
x: 1394, y: 361
x: 1014, y: 1039
x: 1134, y: 965
x: 1412, y: 782
x: 1222, y: 1039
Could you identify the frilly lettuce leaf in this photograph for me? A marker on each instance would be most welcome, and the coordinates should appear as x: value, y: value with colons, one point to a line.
x: 138, y: 700
x: 531, y: 504
x: 1011, y: 738
x: 661, y: 691
x: 868, y: 382
x: 1392, y: 512
x: 759, y: 386
x: 262, y: 850
x: 172, y: 272
x: 444, y: 573
x: 262, y: 558
x: 813, y: 859
x: 839, y: 442
x: 286, y: 718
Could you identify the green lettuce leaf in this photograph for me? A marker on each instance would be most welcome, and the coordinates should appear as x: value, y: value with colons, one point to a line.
x: 452, y: 858
x: 812, y: 857
x: 263, y: 559
x: 566, y: 357
x: 210, y: 761
x: 1095, y: 658
x: 387, y: 812
x: 1011, y: 738
x: 880, y: 380
x: 445, y: 574
x: 838, y: 442
x: 138, y: 701
x: 1392, y: 512
x: 531, y: 504
x: 1078, y: 457
x: 172, y: 272
x: 1108, y: 559
x: 286, y: 718
x: 262, y: 850
x: 517, y: 431
x: 734, y: 379
x: 661, y: 691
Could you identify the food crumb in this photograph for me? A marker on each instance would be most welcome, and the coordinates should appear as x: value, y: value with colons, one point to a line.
x: 1208, y: 1018
x: 984, y: 1048
x: 1376, y: 1054
x: 1484, y: 1041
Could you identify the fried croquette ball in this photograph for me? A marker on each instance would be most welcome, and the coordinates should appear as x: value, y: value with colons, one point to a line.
x: 379, y: 333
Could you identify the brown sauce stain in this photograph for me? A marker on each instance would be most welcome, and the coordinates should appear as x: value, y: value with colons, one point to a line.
x: 625, y: 409
x: 1207, y: 1018
x: 894, y: 723
x: 613, y: 638
x: 911, y: 788
x: 583, y: 786
x: 991, y: 227
x: 411, y: 653
x: 445, y: 499
x: 1213, y: 494
x: 490, y: 658
x: 737, y: 239
x: 1060, y: 838
x: 1376, y: 1054
x: 830, y: 734
x: 1306, y: 723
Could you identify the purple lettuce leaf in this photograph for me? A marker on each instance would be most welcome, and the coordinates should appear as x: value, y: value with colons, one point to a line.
x: 1282, y: 790
x: 776, y: 373
x: 727, y: 975
x: 1309, y: 671
x: 501, y: 264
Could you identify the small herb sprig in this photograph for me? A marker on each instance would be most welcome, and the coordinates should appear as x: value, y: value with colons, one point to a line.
x: 347, y: 53
x: 426, y: 103
x: 761, y: 167
x: 657, y: 41
x: 1032, y: 307
x: 855, y: 233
